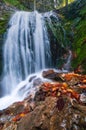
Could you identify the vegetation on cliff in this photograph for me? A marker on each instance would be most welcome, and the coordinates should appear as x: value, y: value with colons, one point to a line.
x: 75, y: 25
x: 15, y: 3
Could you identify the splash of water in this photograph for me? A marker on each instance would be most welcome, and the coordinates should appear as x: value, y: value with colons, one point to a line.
x: 67, y: 65
x: 22, y: 90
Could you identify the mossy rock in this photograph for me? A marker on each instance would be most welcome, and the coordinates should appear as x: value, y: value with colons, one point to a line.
x: 4, y: 18
x: 15, y: 3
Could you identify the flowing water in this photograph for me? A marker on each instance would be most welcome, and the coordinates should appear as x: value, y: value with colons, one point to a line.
x: 67, y: 65
x: 26, y: 51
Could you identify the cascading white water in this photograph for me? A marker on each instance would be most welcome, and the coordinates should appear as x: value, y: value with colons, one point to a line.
x: 67, y: 65
x: 26, y: 49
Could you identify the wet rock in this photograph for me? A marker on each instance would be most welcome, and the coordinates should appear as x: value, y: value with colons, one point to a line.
x: 51, y: 74
x: 83, y: 98
x: 47, y: 73
x: 37, y: 82
x: 32, y: 78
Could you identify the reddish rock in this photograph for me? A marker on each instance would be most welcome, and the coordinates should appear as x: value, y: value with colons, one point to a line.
x: 47, y: 73
x: 51, y: 74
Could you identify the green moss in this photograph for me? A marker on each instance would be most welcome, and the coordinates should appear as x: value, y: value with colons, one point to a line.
x: 58, y: 32
x: 76, y: 34
x: 15, y: 3
x: 3, y: 22
x: 83, y: 11
x: 79, y: 45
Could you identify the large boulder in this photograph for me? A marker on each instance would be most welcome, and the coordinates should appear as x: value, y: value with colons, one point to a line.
x: 46, y: 116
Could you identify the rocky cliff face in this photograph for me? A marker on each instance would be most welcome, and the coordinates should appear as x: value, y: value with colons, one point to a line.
x: 40, y: 5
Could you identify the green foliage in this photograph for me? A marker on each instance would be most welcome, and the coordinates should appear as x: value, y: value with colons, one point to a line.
x: 15, y: 3
x: 83, y: 11
x: 79, y: 45
x: 75, y: 26
x: 58, y: 32
x: 3, y: 22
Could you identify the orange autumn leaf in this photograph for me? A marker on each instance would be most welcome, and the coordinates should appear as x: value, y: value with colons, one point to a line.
x: 65, y: 85
x: 69, y: 76
x: 22, y: 115
x: 64, y: 91
x: 84, y: 87
x: 84, y: 81
x: 53, y: 94
x: 75, y: 95
x: 16, y: 118
x: 54, y: 88
x: 69, y: 90
x: 46, y: 89
x: 63, y: 88
x: 46, y: 84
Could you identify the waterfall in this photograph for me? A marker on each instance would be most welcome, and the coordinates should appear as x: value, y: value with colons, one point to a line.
x: 26, y: 52
x: 67, y: 65
x: 26, y: 49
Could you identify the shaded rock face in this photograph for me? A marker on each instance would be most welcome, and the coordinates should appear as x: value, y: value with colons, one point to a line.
x: 1, y: 57
x: 41, y: 5
x: 5, y: 12
x: 28, y: 3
